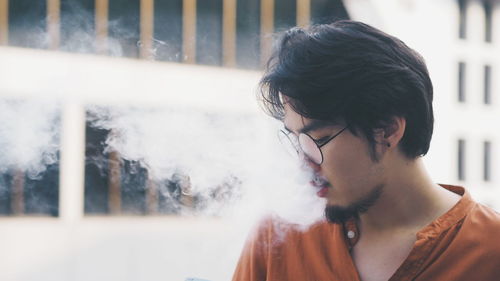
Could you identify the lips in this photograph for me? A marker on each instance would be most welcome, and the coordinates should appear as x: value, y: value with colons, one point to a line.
x: 322, y: 192
x: 322, y: 184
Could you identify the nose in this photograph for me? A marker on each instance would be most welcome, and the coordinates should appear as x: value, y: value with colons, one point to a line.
x: 307, y: 163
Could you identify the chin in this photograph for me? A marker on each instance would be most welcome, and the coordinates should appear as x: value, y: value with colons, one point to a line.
x: 338, y: 213
x: 334, y: 201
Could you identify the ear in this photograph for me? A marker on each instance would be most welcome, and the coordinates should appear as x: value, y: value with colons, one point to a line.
x: 392, y: 133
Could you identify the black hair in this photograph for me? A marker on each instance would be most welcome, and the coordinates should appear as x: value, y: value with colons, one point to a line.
x: 353, y: 72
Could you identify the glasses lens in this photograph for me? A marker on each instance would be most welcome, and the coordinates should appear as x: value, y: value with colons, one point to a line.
x: 288, y: 143
x: 310, y: 148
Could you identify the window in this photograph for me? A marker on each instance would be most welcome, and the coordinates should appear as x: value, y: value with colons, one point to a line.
x: 326, y: 11
x: 461, y: 81
x: 27, y: 23
x: 77, y: 25
x: 124, y: 28
x: 209, y: 32
x: 488, y: 21
x: 115, y: 185
x: 113, y: 27
x: 96, y: 171
x: 487, y: 84
x: 112, y: 185
x: 29, y: 161
x: 462, y: 19
x: 487, y: 161
x: 167, y: 41
x: 248, y: 34
x: 461, y: 159
x: 285, y: 14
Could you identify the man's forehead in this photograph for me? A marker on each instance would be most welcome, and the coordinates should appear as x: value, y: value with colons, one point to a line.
x: 309, y: 125
x: 292, y: 120
x: 297, y: 123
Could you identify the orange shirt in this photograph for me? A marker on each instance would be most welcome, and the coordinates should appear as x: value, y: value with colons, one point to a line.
x: 462, y: 244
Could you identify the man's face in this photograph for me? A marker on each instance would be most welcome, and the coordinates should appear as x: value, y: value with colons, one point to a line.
x: 354, y: 180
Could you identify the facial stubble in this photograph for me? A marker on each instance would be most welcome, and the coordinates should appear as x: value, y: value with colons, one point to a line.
x: 341, y: 214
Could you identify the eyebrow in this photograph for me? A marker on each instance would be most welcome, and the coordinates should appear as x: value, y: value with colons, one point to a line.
x: 314, y: 125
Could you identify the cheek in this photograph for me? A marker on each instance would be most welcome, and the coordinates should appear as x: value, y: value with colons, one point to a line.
x: 348, y: 164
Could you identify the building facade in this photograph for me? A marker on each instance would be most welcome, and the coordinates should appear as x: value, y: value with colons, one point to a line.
x: 67, y: 224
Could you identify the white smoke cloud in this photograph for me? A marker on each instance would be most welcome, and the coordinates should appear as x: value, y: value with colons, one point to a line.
x: 29, y: 135
x: 235, y: 156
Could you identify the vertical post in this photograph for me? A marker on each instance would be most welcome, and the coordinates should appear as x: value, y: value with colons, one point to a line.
x: 53, y: 24
x: 487, y: 161
x: 115, y: 199
x: 186, y: 198
x: 17, y: 203
x: 303, y: 12
x: 4, y: 22
x: 461, y: 160
x: 266, y: 29
x: 101, y: 25
x: 72, y: 165
x: 151, y: 196
x: 147, y: 21
x: 229, y: 33
x: 189, y: 31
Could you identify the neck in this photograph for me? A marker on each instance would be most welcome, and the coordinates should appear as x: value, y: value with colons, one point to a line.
x: 410, y: 200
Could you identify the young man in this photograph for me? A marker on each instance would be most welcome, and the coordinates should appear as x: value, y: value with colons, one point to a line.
x: 356, y: 105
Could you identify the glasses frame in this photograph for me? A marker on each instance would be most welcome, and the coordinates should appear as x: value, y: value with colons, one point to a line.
x: 298, y: 147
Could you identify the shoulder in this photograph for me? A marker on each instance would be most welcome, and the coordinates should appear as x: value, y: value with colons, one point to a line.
x: 255, y: 259
x: 274, y: 243
x: 274, y: 232
x: 482, y: 228
x: 253, y: 262
x: 484, y: 219
x: 477, y: 242
x: 278, y: 228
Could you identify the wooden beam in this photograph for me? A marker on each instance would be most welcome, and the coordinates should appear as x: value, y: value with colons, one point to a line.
x: 115, y: 199
x: 229, y: 33
x: 17, y: 195
x: 303, y: 13
x: 186, y: 197
x: 4, y: 22
x: 189, y: 31
x: 147, y: 24
x: 266, y: 29
x: 53, y: 23
x: 152, y: 197
x: 101, y: 25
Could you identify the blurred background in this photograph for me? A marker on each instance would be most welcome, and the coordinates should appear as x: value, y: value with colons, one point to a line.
x: 75, y: 205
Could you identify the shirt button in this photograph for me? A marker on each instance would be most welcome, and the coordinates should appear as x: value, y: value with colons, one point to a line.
x: 351, y: 234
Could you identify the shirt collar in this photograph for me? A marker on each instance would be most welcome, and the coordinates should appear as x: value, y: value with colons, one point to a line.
x: 450, y: 218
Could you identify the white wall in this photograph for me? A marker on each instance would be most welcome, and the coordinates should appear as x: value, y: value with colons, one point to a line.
x: 431, y: 28
x: 118, y: 248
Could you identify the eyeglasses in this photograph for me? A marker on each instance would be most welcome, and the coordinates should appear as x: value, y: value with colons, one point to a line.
x: 305, y: 144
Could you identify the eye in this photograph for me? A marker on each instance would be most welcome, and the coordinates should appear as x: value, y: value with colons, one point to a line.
x: 322, y: 140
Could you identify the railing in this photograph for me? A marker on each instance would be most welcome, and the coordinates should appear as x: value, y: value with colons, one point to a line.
x: 232, y: 33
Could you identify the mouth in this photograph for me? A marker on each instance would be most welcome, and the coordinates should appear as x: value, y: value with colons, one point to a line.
x: 321, y: 184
